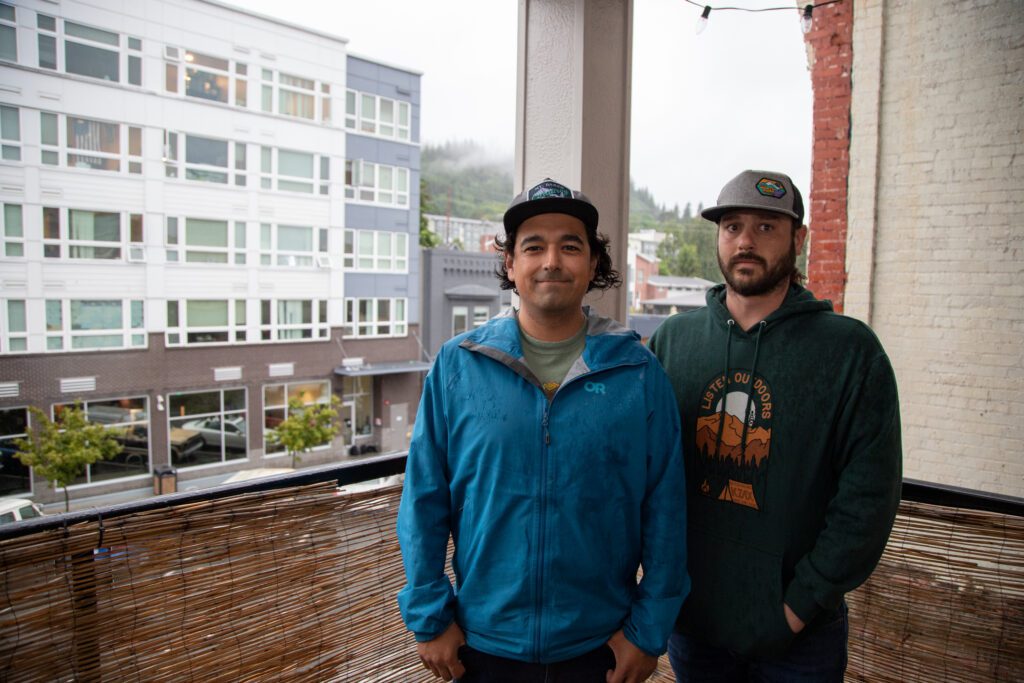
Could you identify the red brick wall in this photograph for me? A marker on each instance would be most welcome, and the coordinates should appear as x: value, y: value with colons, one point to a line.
x: 648, y: 268
x: 830, y: 44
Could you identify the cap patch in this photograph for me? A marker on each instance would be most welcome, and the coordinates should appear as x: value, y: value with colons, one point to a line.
x: 771, y: 188
x: 550, y: 188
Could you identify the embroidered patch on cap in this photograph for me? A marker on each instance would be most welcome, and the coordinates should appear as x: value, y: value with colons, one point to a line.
x: 550, y: 188
x: 771, y: 188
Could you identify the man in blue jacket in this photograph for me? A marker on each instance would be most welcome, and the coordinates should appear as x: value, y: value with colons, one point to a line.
x: 547, y: 446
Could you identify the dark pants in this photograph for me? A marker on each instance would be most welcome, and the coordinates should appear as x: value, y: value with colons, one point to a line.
x: 818, y: 656
x: 484, y: 668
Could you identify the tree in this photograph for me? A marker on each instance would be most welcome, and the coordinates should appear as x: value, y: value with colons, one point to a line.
x: 60, y: 450
x: 306, y: 427
x: 428, y: 238
x: 678, y: 256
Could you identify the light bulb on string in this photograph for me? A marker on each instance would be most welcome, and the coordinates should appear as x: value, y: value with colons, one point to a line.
x: 807, y: 20
x: 702, y: 23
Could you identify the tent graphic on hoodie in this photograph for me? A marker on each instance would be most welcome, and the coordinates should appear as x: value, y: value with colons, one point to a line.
x: 733, y: 450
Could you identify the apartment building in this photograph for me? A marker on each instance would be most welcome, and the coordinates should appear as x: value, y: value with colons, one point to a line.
x: 205, y: 213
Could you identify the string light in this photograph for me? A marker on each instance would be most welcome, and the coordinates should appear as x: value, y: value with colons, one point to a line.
x: 806, y: 14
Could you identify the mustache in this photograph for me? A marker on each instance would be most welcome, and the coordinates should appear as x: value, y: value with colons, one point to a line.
x: 747, y: 257
x: 550, y: 277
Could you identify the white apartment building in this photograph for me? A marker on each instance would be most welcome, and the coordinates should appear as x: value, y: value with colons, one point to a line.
x: 206, y: 212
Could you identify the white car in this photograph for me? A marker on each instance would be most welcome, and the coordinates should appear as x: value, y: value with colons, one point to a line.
x: 16, y: 509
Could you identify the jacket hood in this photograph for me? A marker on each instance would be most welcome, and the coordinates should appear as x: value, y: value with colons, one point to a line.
x: 798, y: 301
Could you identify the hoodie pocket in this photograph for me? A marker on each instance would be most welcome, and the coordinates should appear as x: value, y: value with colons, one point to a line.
x: 735, y: 599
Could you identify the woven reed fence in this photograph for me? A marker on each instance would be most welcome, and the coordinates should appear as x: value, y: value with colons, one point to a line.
x: 299, y: 584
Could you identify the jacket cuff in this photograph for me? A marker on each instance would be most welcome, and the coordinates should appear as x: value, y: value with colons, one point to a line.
x: 801, y: 601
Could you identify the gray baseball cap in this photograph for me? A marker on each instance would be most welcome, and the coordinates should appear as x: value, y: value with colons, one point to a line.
x: 550, y: 196
x: 759, y: 190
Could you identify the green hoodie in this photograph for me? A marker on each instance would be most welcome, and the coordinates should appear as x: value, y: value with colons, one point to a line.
x: 794, y: 503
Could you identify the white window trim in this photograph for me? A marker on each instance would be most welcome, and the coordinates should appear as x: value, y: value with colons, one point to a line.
x: 177, y: 168
x: 325, y: 398
x: 353, y: 256
x: 64, y: 242
x: 354, y: 121
x: 272, y: 179
x: 274, y: 86
x: 149, y: 441
x: 221, y: 415
x: 270, y: 332
x: 127, y: 164
x: 178, y: 56
x: 364, y: 177
x: 275, y: 257
x: 5, y: 239
x: 7, y: 335
x: 177, y: 336
x: 66, y: 334
x: 370, y: 329
x: 177, y: 252
x: 124, y: 53
x: 14, y: 25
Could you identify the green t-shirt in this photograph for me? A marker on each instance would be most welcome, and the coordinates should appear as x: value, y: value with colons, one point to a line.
x: 550, y: 361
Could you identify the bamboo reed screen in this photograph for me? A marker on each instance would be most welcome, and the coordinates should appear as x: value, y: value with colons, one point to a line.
x: 299, y: 585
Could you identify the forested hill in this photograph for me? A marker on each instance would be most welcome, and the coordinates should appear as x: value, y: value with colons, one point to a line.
x: 462, y: 179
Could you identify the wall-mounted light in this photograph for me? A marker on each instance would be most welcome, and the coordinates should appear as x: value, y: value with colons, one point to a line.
x: 160, y: 403
x: 702, y: 23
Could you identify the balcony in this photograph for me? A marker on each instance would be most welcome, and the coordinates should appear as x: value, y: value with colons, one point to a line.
x: 287, y: 579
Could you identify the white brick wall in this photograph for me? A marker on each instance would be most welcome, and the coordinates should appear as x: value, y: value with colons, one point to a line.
x: 936, y: 235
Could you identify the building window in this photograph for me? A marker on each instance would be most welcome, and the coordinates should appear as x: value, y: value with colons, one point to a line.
x: 376, y: 183
x: 208, y: 427
x: 81, y: 234
x: 87, y: 52
x: 377, y: 251
x: 15, y: 478
x: 295, y: 96
x: 205, y: 77
x: 128, y: 418
x: 94, y: 324
x: 461, y: 322
x: 13, y: 324
x: 374, y: 115
x: 291, y: 245
x: 203, y: 240
x: 8, y: 33
x: 357, y: 407
x: 293, y: 319
x: 194, y: 322
x: 89, y: 144
x: 10, y: 133
x: 292, y: 171
x: 481, y: 314
x: 375, y: 317
x: 206, y: 159
x: 13, y: 231
x: 275, y: 406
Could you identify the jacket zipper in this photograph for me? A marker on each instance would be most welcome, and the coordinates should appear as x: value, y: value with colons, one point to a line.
x: 541, y: 536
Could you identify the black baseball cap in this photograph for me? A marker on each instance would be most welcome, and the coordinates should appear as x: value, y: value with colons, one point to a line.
x: 549, y: 196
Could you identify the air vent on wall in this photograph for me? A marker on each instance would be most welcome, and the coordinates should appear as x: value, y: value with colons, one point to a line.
x: 227, y: 374
x: 74, y: 385
x: 281, y: 369
x: 9, y: 390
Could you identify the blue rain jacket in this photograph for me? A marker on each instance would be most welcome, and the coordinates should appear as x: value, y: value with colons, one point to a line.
x: 552, y: 506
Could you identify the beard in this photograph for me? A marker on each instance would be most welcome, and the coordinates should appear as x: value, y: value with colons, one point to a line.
x: 774, y: 274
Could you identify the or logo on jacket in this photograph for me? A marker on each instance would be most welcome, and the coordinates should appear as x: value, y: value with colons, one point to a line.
x: 733, y: 437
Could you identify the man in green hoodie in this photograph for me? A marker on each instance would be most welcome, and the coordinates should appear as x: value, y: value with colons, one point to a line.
x: 791, y: 436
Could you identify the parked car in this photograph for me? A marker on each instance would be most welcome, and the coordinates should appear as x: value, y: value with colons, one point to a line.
x: 184, y: 442
x: 210, y: 429
x: 16, y: 509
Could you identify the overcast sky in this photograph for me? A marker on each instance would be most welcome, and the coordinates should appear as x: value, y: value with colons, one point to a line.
x: 704, y: 106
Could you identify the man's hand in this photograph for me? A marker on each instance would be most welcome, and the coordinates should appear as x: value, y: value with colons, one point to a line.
x: 441, y: 655
x: 632, y: 665
x: 796, y: 624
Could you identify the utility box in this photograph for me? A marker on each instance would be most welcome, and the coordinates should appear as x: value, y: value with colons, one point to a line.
x: 165, y: 480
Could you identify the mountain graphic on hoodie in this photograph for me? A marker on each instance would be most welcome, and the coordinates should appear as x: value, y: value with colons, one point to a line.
x: 758, y: 440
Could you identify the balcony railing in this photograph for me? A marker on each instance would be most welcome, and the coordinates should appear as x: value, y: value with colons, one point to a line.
x: 284, y: 579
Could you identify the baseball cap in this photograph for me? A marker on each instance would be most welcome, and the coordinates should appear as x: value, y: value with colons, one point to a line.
x: 549, y: 196
x: 759, y: 190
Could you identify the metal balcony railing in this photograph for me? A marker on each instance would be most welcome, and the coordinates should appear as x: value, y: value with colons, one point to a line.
x: 284, y: 579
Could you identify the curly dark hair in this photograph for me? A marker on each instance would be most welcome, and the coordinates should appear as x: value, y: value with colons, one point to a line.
x: 605, y: 277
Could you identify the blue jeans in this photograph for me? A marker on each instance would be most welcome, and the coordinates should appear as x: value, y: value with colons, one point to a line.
x: 481, y: 667
x: 818, y: 656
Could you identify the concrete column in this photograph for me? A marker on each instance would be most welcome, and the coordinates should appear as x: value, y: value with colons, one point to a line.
x: 572, y: 112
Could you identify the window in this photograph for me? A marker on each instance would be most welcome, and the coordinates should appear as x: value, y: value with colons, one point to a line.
x: 205, y: 77
x: 357, y: 421
x: 128, y: 418
x: 206, y: 159
x: 204, y: 240
x: 13, y: 324
x: 374, y: 115
x: 291, y: 245
x: 193, y: 322
x: 89, y: 144
x: 8, y: 33
x: 377, y: 251
x: 13, y: 231
x: 15, y: 478
x: 460, y: 319
x: 10, y: 134
x: 275, y: 405
x: 377, y: 183
x: 481, y: 314
x: 208, y: 427
x: 93, y: 324
x: 82, y: 234
x: 375, y: 317
x: 294, y: 96
x: 293, y: 319
x: 292, y: 171
x: 87, y: 52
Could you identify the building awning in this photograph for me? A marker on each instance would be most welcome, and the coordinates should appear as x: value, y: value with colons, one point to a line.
x: 382, y: 368
x: 469, y: 291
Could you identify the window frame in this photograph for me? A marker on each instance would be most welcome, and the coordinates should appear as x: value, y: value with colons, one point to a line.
x: 271, y: 177
x: 222, y: 415
x: 145, y: 420
x: 9, y: 336
x: 359, y: 122
x: 363, y: 179
x: 128, y: 157
x: 61, y: 247
x: 177, y: 248
x: 272, y: 255
x: 235, y: 330
x: 282, y: 409
x: 128, y: 50
x: 14, y: 461
x: 354, y: 257
x: 177, y: 166
x: 12, y: 24
x: 272, y: 330
x: 272, y: 88
x: 133, y: 337
x: 9, y: 241
x: 354, y: 327
x: 10, y: 140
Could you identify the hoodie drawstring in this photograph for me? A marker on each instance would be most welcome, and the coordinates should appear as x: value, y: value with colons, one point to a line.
x: 750, y: 392
x: 721, y: 415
